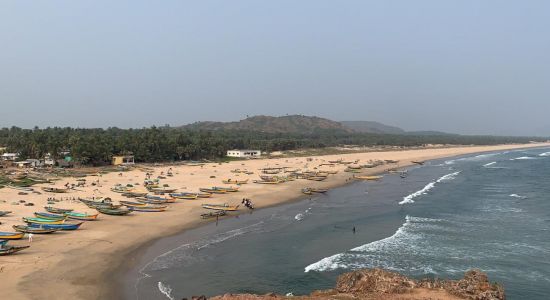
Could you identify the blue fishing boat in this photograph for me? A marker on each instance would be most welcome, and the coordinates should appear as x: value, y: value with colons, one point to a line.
x: 64, y: 226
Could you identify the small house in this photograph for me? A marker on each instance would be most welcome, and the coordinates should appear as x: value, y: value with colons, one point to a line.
x: 123, y: 160
x: 244, y: 153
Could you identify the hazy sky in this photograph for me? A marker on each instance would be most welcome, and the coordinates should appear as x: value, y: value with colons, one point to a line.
x: 458, y: 66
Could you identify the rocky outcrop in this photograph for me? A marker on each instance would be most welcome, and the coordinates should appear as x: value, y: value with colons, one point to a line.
x: 380, y: 284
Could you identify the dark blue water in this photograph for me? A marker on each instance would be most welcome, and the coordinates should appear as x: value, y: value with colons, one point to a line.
x: 488, y: 211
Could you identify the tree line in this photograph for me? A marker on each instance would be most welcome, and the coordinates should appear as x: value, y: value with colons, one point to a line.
x: 158, y: 144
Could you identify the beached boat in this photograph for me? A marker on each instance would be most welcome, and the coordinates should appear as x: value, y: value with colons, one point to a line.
x: 229, y: 189
x: 57, y: 210
x: 316, y: 190
x: 187, y: 196
x: 234, y: 181
x: 162, y: 190
x: 368, y: 177
x: 3, y: 243
x: 418, y: 162
x: 204, y: 195
x: 224, y: 207
x: 215, y: 214
x: 42, y: 221
x: 212, y: 191
x: 64, y: 226
x: 316, y: 178
x: 165, y: 199
x: 7, y: 250
x: 20, y: 188
x: 307, y: 191
x: 150, y: 208
x: 11, y: 235
x: 4, y: 212
x: 55, y: 190
x: 132, y: 204
x: 267, y: 182
x: 114, y: 211
x: 152, y: 201
x: 34, y: 230
x: 50, y: 216
x: 81, y: 216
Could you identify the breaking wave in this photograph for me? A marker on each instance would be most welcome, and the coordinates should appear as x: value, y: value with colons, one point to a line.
x: 429, y: 186
x: 490, y: 164
x: 523, y: 158
x: 545, y: 154
x: 518, y: 196
x: 166, y: 290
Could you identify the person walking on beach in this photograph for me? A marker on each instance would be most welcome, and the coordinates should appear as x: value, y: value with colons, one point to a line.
x: 30, y: 238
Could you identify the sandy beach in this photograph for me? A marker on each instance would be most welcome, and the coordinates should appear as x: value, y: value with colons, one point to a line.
x: 80, y: 264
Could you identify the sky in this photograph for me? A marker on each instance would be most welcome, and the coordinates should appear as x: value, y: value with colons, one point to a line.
x: 464, y: 66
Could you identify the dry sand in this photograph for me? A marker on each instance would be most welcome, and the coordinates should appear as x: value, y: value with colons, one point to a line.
x: 78, y: 264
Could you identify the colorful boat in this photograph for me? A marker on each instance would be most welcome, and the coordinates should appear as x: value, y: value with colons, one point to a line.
x: 187, y: 196
x: 7, y: 250
x: 132, y: 204
x: 64, y: 226
x: 214, y: 214
x: 229, y: 189
x: 57, y: 210
x: 204, y: 195
x: 165, y: 199
x: 212, y: 191
x: 224, y: 207
x: 34, y: 230
x: 81, y: 216
x: 114, y: 211
x: 153, y: 201
x: 50, y: 216
x: 42, y: 221
x: 267, y: 182
x: 10, y: 235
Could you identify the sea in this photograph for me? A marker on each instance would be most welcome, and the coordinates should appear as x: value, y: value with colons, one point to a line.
x: 488, y: 211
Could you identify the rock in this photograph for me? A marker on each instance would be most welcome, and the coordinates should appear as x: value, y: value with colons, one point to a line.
x: 380, y: 284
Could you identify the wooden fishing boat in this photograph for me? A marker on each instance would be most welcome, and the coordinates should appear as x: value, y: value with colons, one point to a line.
x: 4, y: 212
x: 266, y: 182
x: 165, y: 199
x: 42, y: 221
x: 7, y: 250
x: 204, y: 195
x: 316, y: 190
x: 212, y: 191
x: 81, y: 216
x: 229, y: 189
x: 188, y: 196
x: 152, y: 201
x: 55, y: 190
x: 64, y: 226
x: 368, y: 177
x: 114, y: 211
x: 132, y: 194
x: 214, y: 214
x: 234, y: 181
x: 224, y: 207
x: 11, y: 235
x: 34, y: 230
x: 316, y: 178
x: 50, y: 216
x: 307, y: 191
x: 132, y: 204
x: 162, y: 190
x: 20, y: 188
x: 418, y: 162
x: 57, y: 210
x: 352, y: 170
x: 150, y: 208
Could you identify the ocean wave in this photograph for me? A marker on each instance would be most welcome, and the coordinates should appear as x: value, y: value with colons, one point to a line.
x: 523, y: 158
x: 166, y: 290
x: 545, y: 154
x: 362, y: 256
x: 301, y: 216
x: 473, y: 158
x: 518, y: 196
x: 490, y: 164
x: 429, y: 186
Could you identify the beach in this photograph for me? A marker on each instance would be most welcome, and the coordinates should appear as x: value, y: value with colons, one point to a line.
x: 80, y: 264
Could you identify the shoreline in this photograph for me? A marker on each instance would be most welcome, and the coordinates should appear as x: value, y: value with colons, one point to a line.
x: 86, y: 269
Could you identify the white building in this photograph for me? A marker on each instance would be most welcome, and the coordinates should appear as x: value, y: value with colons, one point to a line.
x: 244, y: 153
x: 10, y: 156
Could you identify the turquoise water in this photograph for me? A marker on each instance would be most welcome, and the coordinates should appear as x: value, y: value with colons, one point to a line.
x: 489, y: 211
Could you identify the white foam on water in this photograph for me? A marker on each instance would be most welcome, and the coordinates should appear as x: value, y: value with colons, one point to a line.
x: 517, y: 196
x: 166, y: 290
x: 358, y: 257
x: 545, y: 154
x: 523, y: 158
x: 299, y: 217
x: 409, y: 198
x: 490, y: 164
x: 473, y: 158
